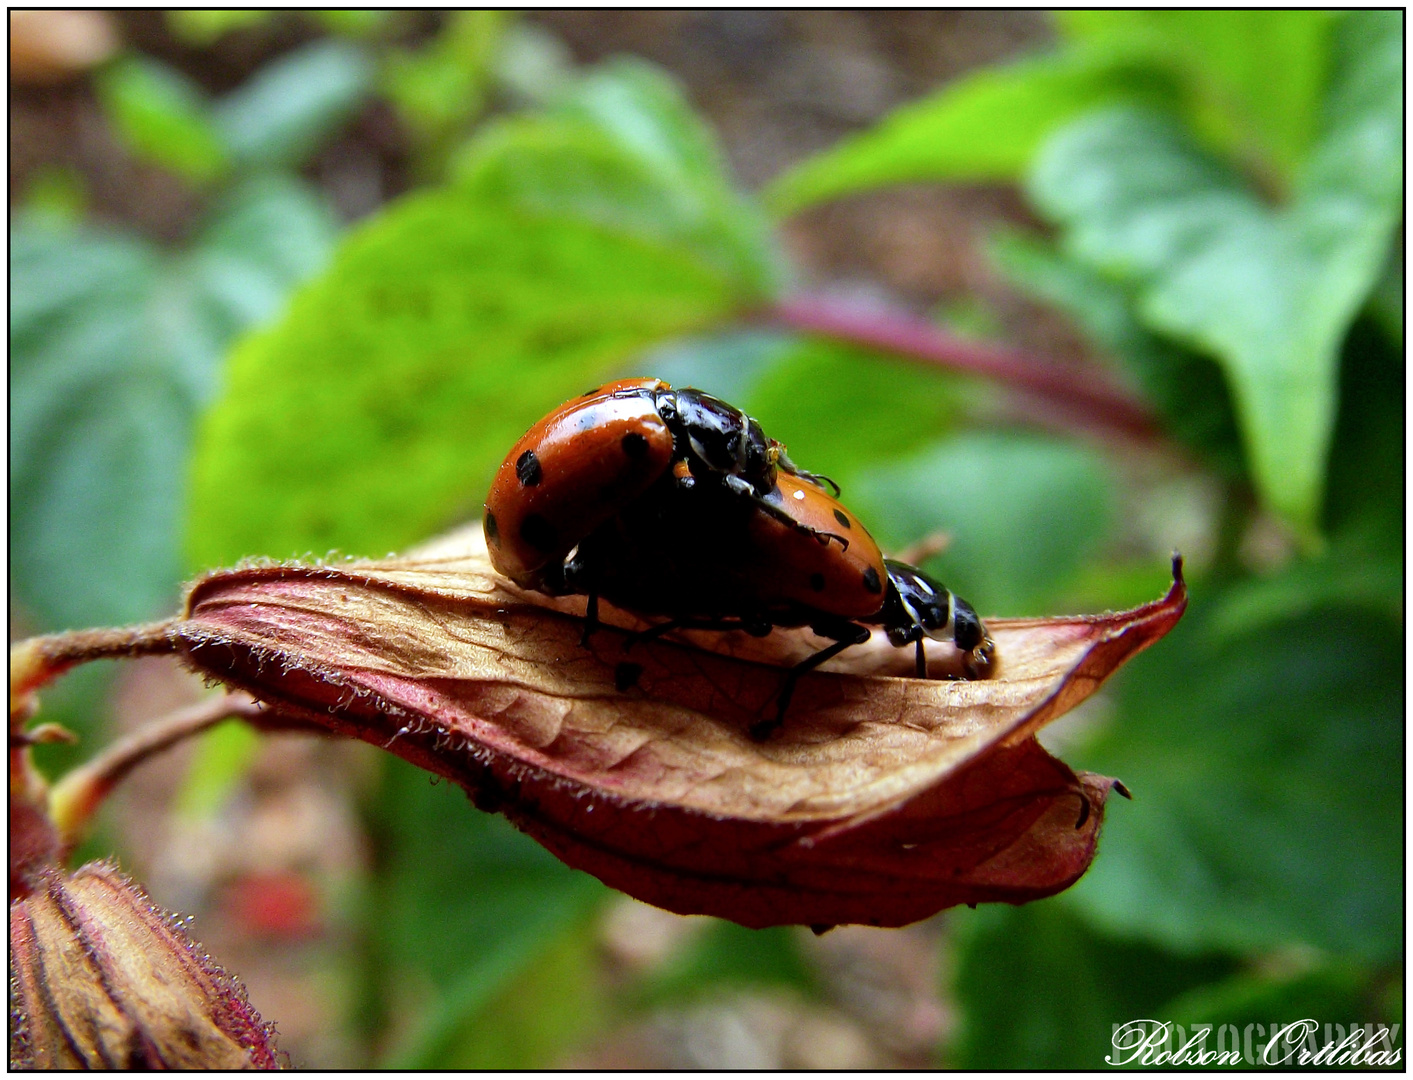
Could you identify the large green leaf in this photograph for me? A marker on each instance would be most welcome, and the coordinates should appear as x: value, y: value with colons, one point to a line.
x: 1226, y: 59
x: 1039, y: 989
x: 464, y: 906
x: 625, y: 150
x: 1186, y: 386
x: 114, y: 347
x: 983, y: 127
x: 1259, y: 816
x: 1269, y: 293
x: 376, y: 411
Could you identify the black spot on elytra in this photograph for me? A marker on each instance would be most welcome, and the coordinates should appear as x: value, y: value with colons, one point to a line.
x: 527, y: 469
x: 625, y: 675
x: 538, y: 533
x: 817, y: 582
x: 871, y: 581
x: 492, y: 529
x: 842, y: 518
x: 635, y: 445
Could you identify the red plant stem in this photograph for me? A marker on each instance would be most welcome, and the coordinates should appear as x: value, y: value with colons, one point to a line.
x: 1086, y: 396
x: 38, y: 660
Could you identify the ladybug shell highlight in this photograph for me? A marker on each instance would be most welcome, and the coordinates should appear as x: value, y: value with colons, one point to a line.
x: 832, y: 564
x: 571, y: 472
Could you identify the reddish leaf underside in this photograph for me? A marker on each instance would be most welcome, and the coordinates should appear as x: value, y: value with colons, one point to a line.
x: 880, y: 801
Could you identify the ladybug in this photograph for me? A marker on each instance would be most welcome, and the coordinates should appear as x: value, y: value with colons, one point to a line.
x: 710, y: 561
x: 675, y: 503
x: 702, y: 552
x: 593, y: 456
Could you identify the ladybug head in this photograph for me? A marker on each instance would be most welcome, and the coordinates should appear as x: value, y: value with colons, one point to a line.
x: 716, y: 437
x: 917, y: 606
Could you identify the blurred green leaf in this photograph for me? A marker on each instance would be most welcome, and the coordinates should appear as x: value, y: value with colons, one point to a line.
x: 266, y: 234
x: 1025, y: 512
x: 645, y: 112
x: 57, y: 269
x: 548, y: 1008
x: 626, y: 151
x: 442, y: 84
x: 533, y: 66
x: 203, y: 26
x: 1186, y: 387
x: 91, y: 535
x: 1363, y: 566
x: 223, y: 755
x: 1269, y: 294
x: 58, y: 192
x: 1336, y: 992
x: 842, y: 410
x: 984, y: 126
x: 92, y: 420
x: 376, y: 412
x: 1343, y: 575
x: 1387, y: 301
x: 726, y: 956
x: 353, y: 22
x: 727, y: 364
x: 1365, y: 506
x: 1039, y: 989
x: 114, y: 347
x: 1259, y: 818
x: 279, y: 115
x: 1226, y: 59
x: 464, y: 906
x: 162, y: 117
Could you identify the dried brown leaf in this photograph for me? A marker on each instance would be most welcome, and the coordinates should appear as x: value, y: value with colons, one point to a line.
x: 881, y: 800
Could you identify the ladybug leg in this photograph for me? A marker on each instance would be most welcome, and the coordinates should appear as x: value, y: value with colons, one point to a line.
x: 846, y: 634
x: 591, y: 619
x: 921, y: 661
x: 653, y: 632
x: 785, y: 519
x: 819, y: 481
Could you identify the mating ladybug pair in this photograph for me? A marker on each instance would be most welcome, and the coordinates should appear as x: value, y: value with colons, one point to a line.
x: 672, y: 502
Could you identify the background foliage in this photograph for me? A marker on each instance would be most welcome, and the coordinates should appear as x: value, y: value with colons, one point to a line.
x: 280, y: 384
